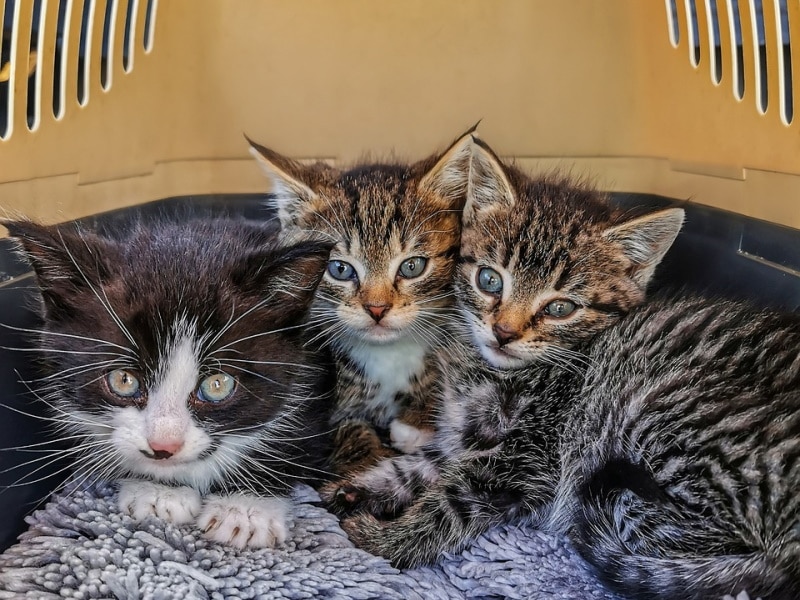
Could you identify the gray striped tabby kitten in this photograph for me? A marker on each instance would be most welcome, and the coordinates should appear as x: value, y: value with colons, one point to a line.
x: 382, y: 303
x: 663, y: 438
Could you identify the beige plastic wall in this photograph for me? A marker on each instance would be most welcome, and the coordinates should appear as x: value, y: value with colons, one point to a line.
x: 593, y: 86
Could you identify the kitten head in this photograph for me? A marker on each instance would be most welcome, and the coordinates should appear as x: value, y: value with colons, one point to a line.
x: 546, y: 263
x: 396, y: 230
x: 172, y: 352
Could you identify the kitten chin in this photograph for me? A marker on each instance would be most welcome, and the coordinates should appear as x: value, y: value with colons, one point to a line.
x: 176, y: 356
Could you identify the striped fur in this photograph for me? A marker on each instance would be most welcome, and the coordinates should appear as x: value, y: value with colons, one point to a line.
x: 383, y: 327
x: 663, y: 438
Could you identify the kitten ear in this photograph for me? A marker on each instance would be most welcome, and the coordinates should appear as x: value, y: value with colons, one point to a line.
x: 288, y: 191
x: 65, y: 259
x: 293, y: 270
x: 488, y: 183
x: 645, y: 240
x: 449, y: 176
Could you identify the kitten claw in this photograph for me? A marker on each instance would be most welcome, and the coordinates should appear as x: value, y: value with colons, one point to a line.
x: 142, y: 499
x: 348, y: 494
x: 245, y: 521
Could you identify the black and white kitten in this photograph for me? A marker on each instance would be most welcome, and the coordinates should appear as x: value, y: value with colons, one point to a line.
x: 174, y: 358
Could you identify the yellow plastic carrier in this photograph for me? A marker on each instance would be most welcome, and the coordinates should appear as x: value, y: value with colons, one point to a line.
x: 110, y: 103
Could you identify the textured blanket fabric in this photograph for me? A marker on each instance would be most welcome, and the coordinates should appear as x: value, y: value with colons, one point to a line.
x: 80, y: 546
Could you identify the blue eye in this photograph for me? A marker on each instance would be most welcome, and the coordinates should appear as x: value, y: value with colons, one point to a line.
x: 343, y: 271
x: 560, y: 308
x: 123, y: 383
x: 412, y: 267
x: 216, y: 388
x: 490, y: 281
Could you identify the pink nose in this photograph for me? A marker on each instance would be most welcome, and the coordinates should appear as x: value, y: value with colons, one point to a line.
x: 164, y: 449
x: 377, y: 311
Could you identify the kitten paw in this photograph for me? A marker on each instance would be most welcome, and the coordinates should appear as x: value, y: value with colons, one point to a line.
x: 245, y: 521
x: 341, y: 497
x: 407, y: 438
x: 142, y: 499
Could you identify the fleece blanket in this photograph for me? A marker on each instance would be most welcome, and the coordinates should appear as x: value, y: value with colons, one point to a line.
x: 80, y: 546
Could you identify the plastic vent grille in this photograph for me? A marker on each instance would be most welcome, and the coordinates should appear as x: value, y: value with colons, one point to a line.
x: 746, y: 44
x: 53, y: 53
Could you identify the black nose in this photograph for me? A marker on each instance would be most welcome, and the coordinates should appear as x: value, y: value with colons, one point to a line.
x: 504, y: 333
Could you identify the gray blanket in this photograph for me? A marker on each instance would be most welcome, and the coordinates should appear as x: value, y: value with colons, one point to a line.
x: 80, y: 546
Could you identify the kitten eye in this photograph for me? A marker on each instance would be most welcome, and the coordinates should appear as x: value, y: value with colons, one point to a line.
x: 216, y: 388
x: 123, y: 383
x: 490, y: 281
x: 343, y: 271
x: 560, y: 308
x: 412, y: 267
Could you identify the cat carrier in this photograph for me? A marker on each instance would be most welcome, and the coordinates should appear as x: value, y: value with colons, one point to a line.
x: 110, y: 104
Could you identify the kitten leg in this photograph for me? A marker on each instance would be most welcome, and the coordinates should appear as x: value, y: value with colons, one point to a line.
x: 419, y: 535
x: 415, y: 426
x: 407, y: 438
x: 244, y: 521
x: 384, y: 489
x: 356, y: 446
x: 142, y: 499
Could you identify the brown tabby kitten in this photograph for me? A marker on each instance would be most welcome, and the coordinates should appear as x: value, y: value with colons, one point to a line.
x: 577, y: 264
x: 663, y: 438
x: 384, y: 300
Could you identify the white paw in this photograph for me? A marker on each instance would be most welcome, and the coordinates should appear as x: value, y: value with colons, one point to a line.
x: 407, y: 438
x: 142, y: 499
x: 245, y: 521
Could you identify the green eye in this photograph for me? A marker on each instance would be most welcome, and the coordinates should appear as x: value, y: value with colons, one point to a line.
x: 490, y: 281
x: 216, y: 388
x: 123, y: 383
x: 560, y: 308
x: 341, y: 270
x: 412, y: 267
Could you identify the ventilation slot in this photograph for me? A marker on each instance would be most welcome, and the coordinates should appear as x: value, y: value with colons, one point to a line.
x: 107, y: 56
x: 672, y: 23
x: 714, y: 41
x: 130, y: 31
x: 56, y: 53
x: 693, y: 33
x: 149, y: 24
x: 760, y: 54
x: 60, y: 58
x: 784, y: 52
x: 5, y: 67
x: 737, y: 50
x: 757, y: 32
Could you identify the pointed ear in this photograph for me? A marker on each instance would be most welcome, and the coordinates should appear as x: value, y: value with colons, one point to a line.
x: 65, y: 259
x: 645, y: 240
x: 289, y: 274
x: 449, y: 176
x: 287, y: 190
x: 488, y: 183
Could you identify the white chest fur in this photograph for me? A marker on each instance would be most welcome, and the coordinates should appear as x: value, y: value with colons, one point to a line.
x: 391, y: 367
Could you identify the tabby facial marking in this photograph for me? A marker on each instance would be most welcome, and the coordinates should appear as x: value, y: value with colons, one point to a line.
x: 547, y: 263
x: 396, y: 233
